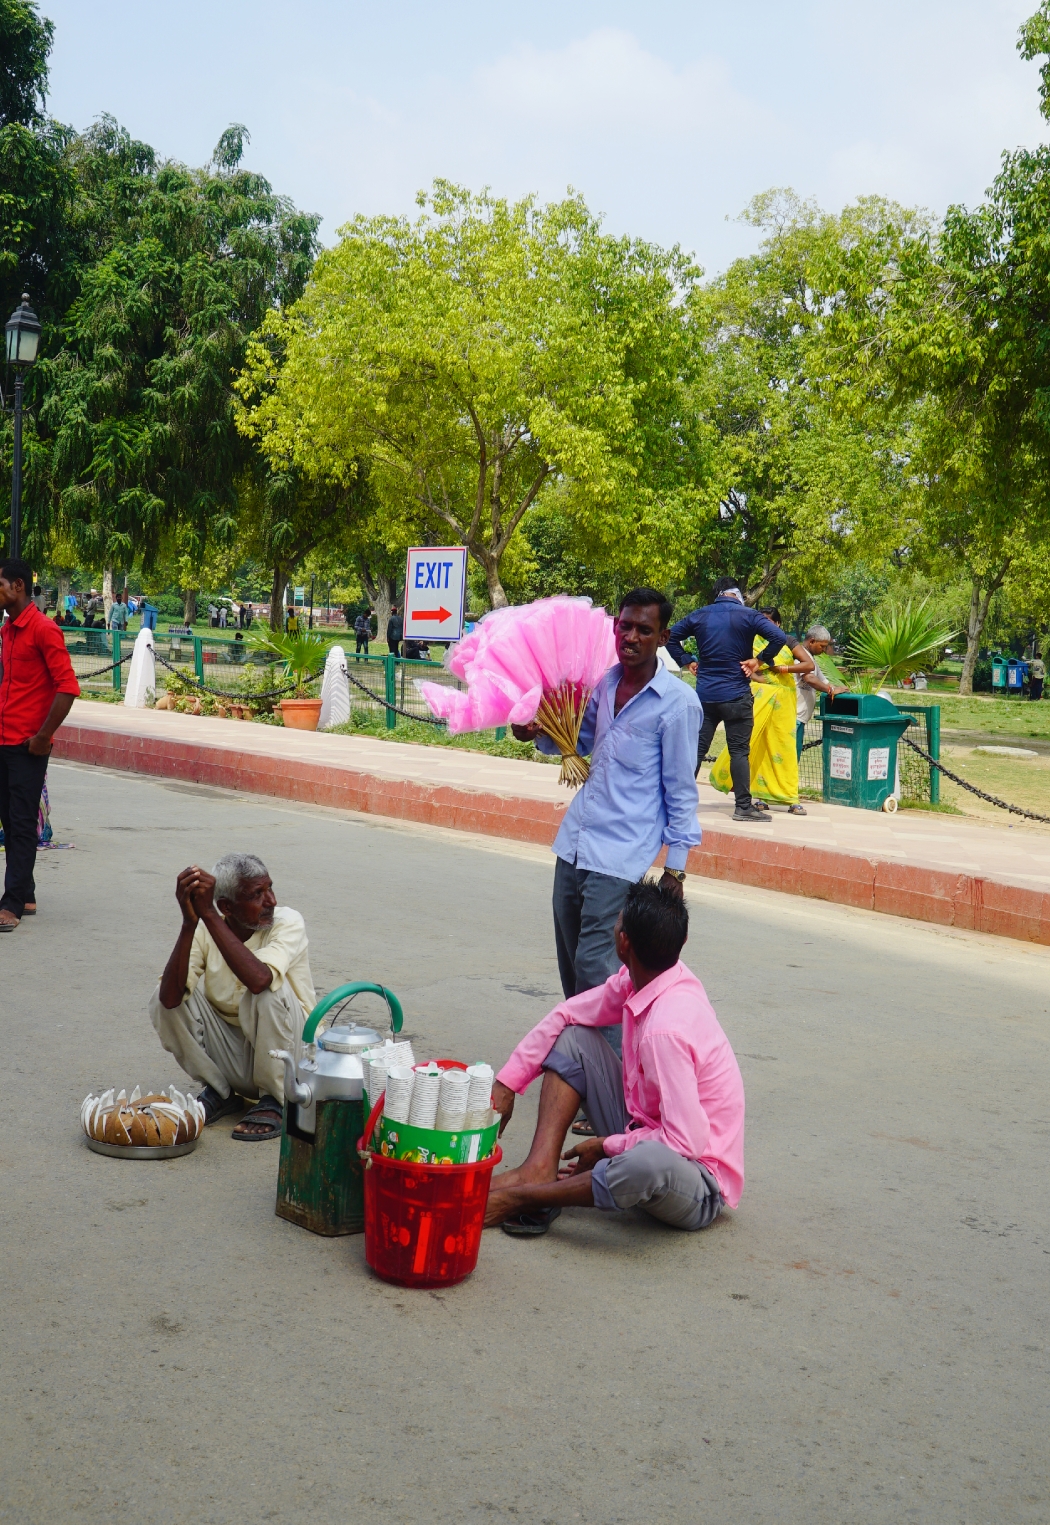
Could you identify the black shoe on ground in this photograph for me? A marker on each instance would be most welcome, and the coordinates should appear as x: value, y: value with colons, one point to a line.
x: 751, y: 814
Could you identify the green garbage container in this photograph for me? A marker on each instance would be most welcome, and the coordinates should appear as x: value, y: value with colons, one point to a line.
x: 861, y: 732
x: 1000, y: 668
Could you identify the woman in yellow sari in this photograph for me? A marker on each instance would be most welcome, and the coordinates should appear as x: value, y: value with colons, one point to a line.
x: 774, y: 760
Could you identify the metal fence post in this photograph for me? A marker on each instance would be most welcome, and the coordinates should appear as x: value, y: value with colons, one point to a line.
x: 933, y: 738
x: 198, y: 658
x: 116, y: 658
x: 389, y: 662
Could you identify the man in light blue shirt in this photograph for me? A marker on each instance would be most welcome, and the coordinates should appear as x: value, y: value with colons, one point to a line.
x: 640, y: 730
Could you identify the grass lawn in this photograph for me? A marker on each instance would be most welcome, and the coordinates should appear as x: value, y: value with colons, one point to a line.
x: 980, y: 712
x: 1023, y: 781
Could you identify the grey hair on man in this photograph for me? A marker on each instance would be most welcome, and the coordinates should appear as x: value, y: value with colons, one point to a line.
x: 234, y: 871
x: 818, y: 633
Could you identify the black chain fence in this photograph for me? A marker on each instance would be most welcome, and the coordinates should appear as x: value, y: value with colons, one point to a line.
x: 198, y: 686
x: 1029, y: 815
x: 396, y: 708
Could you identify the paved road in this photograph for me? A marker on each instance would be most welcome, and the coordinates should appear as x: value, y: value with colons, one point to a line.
x: 863, y: 1341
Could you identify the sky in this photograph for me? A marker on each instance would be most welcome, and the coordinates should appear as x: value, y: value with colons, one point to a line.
x: 668, y: 117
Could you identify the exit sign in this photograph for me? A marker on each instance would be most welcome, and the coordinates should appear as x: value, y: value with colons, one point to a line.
x: 435, y: 593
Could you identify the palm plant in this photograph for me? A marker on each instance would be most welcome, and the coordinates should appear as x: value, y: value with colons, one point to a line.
x: 303, y: 655
x: 888, y: 647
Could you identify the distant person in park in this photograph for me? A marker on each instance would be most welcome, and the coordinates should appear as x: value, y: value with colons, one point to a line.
x: 772, y: 755
x: 40, y: 598
x: 247, y: 613
x: 724, y: 632
x: 363, y: 631
x: 639, y: 730
x: 223, y: 616
x: 668, y: 1118
x: 118, y: 614
x: 395, y: 629
x: 292, y: 622
x: 237, y: 984
x: 818, y: 643
x: 37, y: 689
x: 1036, y: 677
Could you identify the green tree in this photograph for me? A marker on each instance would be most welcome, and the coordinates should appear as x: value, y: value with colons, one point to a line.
x: 804, y: 486
x: 36, y: 185
x: 138, y: 409
x: 950, y: 337
x: 481, y: 358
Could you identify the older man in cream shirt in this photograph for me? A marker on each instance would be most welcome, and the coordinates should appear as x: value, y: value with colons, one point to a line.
x: 237, y: 985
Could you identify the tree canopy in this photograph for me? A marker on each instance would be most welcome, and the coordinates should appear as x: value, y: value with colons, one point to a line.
x: 482, y: 359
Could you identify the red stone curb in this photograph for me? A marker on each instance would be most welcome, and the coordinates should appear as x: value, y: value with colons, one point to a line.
x: 895, y: 889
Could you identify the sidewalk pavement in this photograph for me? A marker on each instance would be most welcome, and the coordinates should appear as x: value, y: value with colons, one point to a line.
x: 929, y: 867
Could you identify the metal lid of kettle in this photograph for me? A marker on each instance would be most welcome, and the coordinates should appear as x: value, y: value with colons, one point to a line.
x: 349, y: 1038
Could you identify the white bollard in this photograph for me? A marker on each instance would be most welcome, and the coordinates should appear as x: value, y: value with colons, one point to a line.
x: 335, y: 691
x: 142, y: 679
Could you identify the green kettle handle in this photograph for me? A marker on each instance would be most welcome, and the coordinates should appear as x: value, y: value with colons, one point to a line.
x: 356, y: 987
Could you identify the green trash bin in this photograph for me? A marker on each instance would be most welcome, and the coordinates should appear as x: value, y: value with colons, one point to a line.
x: 1000, y: 668
x: 861, y: 732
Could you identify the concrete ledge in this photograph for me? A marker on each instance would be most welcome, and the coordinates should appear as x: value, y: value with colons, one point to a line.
x: 941, y: 896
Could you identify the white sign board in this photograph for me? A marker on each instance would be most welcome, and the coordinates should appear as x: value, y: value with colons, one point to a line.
x: 435, y: 593
x: 879, y: 762
x: 841, y: 762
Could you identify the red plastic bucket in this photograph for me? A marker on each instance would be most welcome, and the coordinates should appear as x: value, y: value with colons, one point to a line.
x: 423, y: 1223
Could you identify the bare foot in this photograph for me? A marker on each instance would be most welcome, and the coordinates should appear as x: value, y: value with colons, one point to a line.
x: 501, y: 1205
x: 521, y: 1175
x: 8, y: 919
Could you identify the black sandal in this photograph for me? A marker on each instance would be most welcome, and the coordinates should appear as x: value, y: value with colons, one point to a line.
x: 216, y: 1106
x: 530, y: 1225
x: 267, y: 1113
x: 582, y: 1128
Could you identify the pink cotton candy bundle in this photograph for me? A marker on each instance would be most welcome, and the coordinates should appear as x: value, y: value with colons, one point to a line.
x: 537, y: 661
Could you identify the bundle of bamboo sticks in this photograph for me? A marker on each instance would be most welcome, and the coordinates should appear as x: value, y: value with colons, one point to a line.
x: 560, y: 716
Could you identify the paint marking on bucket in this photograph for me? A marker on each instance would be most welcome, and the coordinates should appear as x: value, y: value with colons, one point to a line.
x: 421, y: 1243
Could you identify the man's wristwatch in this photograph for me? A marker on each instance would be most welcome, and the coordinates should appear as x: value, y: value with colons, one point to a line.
x: 676, y: 873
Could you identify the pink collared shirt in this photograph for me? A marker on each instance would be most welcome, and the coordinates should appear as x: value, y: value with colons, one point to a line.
x: 682, y: 1083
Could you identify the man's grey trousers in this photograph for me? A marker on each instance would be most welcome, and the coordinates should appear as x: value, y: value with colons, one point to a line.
x: 232, y: 1056
x: 650, y: 1176
x: 586, y: 905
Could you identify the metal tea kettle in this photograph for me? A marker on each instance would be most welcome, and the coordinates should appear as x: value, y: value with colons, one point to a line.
x: 329, y: 1068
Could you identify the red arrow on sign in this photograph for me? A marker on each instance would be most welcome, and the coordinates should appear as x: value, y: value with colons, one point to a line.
x: 431, y: 614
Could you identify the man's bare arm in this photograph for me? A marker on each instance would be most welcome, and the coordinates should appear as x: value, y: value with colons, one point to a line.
x: 173, y: 980
x: 240, y: 961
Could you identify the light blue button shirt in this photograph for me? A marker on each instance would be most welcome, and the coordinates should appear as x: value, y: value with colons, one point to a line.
x: 641, y: 792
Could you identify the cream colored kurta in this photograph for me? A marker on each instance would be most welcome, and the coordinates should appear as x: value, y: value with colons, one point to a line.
x: 283, y: 947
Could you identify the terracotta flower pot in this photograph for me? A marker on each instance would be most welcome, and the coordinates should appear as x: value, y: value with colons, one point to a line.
x: 301, y: 714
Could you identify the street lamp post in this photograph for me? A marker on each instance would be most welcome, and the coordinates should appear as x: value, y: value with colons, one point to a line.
x: 23, y: 340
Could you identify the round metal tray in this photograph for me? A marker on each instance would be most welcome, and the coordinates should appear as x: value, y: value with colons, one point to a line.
x: 141, y: 1152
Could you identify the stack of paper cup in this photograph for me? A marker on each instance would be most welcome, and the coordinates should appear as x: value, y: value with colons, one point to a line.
x: 479, y: 1095
x: 426, y: 1088
x: 375, y: 1079
x: 399, y: 1087
x: 383, y: 1055
x: 392, y: 1053
x: 452, y: 1101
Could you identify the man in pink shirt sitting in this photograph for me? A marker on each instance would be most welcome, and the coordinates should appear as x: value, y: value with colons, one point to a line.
x: 669, y: 1117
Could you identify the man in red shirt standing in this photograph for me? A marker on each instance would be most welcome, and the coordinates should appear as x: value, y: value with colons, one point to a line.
x: 37, y: 689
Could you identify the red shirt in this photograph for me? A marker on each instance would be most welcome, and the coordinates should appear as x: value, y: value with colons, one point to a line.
x: 36, y: 667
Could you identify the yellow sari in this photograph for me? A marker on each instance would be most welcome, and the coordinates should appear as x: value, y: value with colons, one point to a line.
x: 774, y: 761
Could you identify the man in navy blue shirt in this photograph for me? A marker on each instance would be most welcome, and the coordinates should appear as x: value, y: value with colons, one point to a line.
x: 725, y: 631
